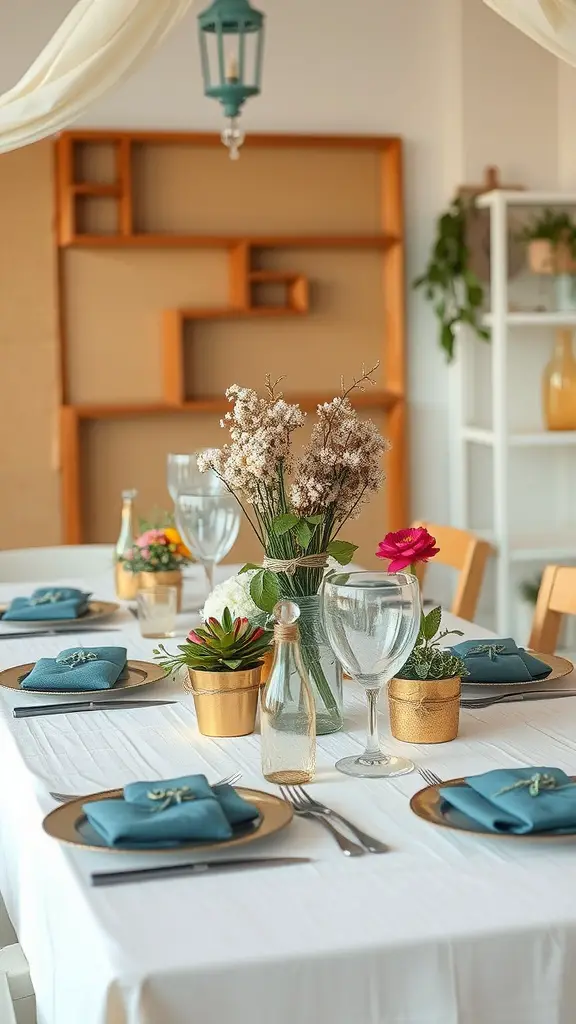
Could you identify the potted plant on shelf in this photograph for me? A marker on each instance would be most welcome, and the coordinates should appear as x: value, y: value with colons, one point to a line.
x: 424, y: 698
x: 223, y: 660
x: 298, y: 507
x: 551, y: 238
x: 157, y: 556
x: 449, y: 282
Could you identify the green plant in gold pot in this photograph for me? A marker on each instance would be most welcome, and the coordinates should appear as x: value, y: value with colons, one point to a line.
x: 424, y: 699
x: 223, y: 660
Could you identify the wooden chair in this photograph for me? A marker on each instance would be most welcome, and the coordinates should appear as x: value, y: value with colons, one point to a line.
x: 556, y: 598
x: 466, y: 553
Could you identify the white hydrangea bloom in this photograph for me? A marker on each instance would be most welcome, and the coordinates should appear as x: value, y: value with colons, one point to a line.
x: 234, y: 594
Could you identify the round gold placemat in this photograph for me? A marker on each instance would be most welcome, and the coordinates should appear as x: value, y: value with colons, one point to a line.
x: 140, y: 673
x: 96, y: 610
x: 65, y: 824
x: 560, y: 667
x: 427, y: 804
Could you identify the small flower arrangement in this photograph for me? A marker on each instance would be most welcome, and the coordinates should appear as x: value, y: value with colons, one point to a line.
x: 428, y: 660
x: 160, y: 549
x: 228, y: 645
x: 406, y: 548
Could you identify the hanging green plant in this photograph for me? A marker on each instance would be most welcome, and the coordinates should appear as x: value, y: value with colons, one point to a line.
x: 448, y: 282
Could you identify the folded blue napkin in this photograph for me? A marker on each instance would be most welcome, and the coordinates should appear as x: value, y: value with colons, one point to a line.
x: 517, y: 800
x: 48, y: 603
x: 170, y: 812
x: 500, y: 661
x: 78, y: 668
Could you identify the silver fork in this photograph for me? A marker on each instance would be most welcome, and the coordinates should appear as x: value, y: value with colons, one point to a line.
x: 301, y: 808
x: 65, y: 798
x: 518, y: 695
x: 369, y: 843
x: 430, y: 778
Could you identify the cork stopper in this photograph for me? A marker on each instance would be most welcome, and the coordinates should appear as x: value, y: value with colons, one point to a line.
x: 286, y: 615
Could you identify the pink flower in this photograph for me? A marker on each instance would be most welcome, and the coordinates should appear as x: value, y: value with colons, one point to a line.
x: 151, y: 537
x: 407, y: 547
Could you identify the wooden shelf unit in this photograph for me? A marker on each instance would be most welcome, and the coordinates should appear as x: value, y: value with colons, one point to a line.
x: 246, y: 283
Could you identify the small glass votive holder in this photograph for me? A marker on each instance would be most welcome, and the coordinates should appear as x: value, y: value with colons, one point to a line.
x: 157, y: 610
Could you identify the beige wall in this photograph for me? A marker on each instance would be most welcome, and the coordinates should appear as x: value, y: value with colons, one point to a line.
x: 28, y: 397
x: 452, y: 78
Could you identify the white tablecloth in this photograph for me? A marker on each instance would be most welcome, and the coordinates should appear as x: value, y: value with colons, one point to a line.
x: 446, y: 929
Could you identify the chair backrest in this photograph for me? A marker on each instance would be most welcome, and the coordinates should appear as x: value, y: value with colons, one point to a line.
x: 556, y: 597
x: 468, y: 554
x: 44, y: 565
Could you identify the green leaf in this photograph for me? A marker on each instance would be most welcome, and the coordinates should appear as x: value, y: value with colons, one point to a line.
x: 315, y: 520
x: 233, y: 665
x: 227, y: 619
x: 432, y: 622
x: 303, y: 533
x: 422, y: 670
x: 447, y: 341
x: 285, y: 523
x: 265, y: 590
x: 248, y: 567
x: 342, y: 551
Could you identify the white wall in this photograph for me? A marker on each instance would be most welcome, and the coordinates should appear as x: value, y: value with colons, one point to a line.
x: 460, y: 86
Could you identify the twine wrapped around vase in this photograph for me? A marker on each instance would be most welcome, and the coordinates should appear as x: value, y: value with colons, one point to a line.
x: 424, y: 710
x: 290, y: 565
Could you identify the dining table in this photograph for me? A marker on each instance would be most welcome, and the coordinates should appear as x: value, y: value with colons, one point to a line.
x: 445, y: 928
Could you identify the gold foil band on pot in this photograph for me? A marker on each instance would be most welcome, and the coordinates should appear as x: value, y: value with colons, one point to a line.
x: 426, y: 711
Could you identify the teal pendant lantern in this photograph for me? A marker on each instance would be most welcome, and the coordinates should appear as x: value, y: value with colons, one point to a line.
x: 231, y: 48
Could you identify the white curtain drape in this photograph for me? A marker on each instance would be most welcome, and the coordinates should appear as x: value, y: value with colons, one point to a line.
x: 100, y: 43
x: 551, y: 23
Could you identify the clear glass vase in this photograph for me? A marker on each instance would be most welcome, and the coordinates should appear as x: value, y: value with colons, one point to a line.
x: 324, y: 670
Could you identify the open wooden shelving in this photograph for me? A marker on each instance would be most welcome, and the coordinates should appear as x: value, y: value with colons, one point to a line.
x: 249, y: 289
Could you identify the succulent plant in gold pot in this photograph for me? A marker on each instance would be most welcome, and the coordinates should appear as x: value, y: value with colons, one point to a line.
x: 223, y: 661
x: 424, y: 698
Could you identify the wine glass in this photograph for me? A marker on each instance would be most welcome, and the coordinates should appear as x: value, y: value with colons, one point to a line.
x: 372, y: 621
x: 183, y: 473
x: 208, y: 518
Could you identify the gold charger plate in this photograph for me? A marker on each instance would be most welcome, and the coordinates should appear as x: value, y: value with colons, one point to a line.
x: 140, y: 673
x: 427, y: 804
x: 69, y: 824
x: 96, y: 610
x: 560, y: 667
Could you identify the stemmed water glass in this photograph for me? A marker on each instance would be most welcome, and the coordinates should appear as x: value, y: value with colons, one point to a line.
x: 207, y: 515
x: 372, y: 621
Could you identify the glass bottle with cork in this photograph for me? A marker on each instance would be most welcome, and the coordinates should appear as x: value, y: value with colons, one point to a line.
x: 126, y: 582
x: 288, y: 715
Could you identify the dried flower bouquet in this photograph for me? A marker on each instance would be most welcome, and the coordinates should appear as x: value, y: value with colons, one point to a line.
x: 297, y: 506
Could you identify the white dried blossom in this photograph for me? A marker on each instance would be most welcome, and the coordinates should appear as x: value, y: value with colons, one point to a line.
x: 341, y: 466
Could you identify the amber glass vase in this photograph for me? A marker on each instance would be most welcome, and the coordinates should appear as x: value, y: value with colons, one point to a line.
x: 559, y: 385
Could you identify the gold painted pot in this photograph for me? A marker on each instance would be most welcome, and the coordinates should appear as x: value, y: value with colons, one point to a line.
x: 153, y: 580
x: 126, y: 583
x: 424, y: 710
x: 226, y: 702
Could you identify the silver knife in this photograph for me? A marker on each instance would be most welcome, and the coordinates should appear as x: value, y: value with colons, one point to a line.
x: 86, y: 705
x: 56, y: 632
x: 100, y: 878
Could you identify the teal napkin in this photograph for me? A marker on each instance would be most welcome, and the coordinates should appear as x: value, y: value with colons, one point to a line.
x: 48, y: 603
x: 500, y: 661
x: 78, y: 668
x: 497, y: 801
x: 162, y: 813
